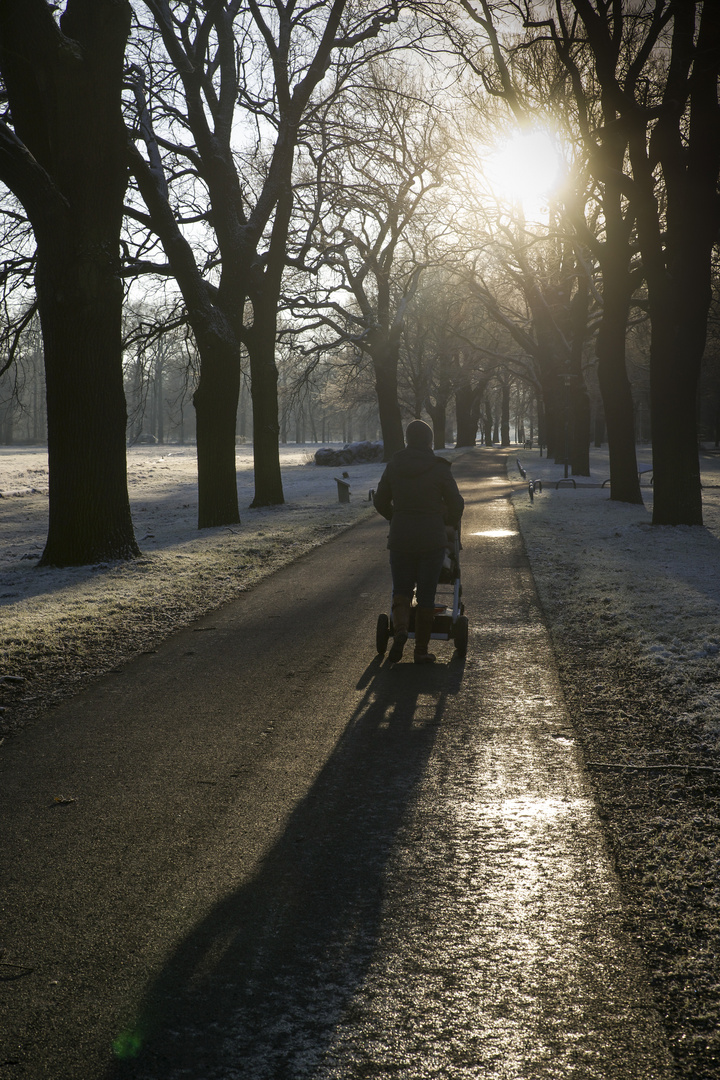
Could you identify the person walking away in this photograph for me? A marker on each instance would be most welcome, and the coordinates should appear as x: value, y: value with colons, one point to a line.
x: 418, y: 495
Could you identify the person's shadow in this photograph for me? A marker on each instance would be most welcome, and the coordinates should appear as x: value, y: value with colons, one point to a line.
x: 260, y: 985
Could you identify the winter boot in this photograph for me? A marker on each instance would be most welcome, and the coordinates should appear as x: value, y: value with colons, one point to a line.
x: 423, y: 629
x: 401, y: 620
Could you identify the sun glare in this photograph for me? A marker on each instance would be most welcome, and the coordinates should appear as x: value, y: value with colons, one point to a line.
x: 524, y: 169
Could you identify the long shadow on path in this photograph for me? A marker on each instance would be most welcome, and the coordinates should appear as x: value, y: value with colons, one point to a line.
x: 261, y: 983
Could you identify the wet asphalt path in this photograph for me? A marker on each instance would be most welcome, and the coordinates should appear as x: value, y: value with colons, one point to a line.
x: 286, y: 860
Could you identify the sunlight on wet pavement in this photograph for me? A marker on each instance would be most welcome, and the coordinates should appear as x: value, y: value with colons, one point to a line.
x: 503, y: 953
x: 496, y: 533
x: 495, y: 948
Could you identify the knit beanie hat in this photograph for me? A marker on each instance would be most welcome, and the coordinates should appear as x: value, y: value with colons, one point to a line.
x: 418, y: 435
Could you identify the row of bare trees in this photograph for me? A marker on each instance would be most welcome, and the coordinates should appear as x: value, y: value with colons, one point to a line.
x: 295, y: 174
x: 214, y: 86
x: 638, y: 87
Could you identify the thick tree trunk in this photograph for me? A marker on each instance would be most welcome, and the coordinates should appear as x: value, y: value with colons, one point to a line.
x: 541, y: 421
x: 217, y: 337
x: 488, y: 423
x: 676, y: 467
x: 562, y: 430
x: 215, y: 402
x: 438, y: 414
x: 89, y: 510
x: 66, y: 108
x: 615, y: 385
x: 580, y: 439
x: 385, y: 365
x: 266, y: 422
x: 676, y: 252
x: 467, y: 414
x: 579, y: 400
x: 553, y: 417
x: 676, y: 351
x: 679, y: 302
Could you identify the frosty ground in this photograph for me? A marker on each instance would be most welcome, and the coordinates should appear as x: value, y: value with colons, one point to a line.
x: 633, y: 611
x: 61, y: 628
x: 634, y: 615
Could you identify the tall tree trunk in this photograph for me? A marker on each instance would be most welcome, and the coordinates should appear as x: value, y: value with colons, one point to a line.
x: 505, y: 415
x: 215, y: 401
x: 561, y: 438
x: 579, y: 400
x: 89, y: 510
x: 676, y: 352
x: 541, y: 421
x: 610, y: 346
x: 580, y: 439
x: 677, y: 256
x: 64, y: 87
x: 488, y: 422
x: 679, y: 301
x: 385, y: 365
x: 616, y: 391
x: 467, y: 414
x: 214, y: 324
x: 553, y: 415
x: 260, y: 342
x: 438, y: 414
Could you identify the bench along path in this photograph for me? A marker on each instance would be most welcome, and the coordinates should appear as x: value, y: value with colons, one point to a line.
x: 289, y: 860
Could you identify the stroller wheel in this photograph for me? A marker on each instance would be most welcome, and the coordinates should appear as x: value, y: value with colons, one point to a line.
x: 383, y: 634
x: 460, y: 634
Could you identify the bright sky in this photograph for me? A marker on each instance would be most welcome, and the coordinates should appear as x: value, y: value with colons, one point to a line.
x: 524, y: 169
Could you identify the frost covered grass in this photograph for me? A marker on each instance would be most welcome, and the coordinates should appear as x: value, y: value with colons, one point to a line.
x: 634, y: 612
x: 61, y: 628
x: 651, y: 592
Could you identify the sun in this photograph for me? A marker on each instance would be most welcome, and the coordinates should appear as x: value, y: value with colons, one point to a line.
x: 523, y: 170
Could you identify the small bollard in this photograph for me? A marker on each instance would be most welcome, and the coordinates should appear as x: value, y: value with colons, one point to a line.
x: 343, y: 490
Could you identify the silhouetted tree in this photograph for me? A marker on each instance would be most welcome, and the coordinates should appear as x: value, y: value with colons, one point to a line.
x: 62, y: 153
x: 220, y: 118
x: 370, y: 229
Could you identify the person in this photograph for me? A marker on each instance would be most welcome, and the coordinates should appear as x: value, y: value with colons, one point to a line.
x: 418, y: 495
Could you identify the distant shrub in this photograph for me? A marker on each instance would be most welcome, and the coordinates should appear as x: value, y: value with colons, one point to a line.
x: 358, y: 453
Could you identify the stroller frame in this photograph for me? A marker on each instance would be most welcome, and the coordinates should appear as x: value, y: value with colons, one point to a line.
x: 450, y: 622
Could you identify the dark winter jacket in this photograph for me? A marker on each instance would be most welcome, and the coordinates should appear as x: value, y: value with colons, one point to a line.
x: 418, y: 495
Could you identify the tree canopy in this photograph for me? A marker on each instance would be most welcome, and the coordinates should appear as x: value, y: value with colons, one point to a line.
x: 341, y: 189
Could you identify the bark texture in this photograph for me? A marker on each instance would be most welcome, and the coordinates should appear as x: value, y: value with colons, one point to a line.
x: 65, y: 161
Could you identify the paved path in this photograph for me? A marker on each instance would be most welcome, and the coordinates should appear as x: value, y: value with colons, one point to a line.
x: 287, y: 860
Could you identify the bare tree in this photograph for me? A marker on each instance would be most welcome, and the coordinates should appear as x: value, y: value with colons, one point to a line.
x: 62, y: 153
x: 23, y: 415
x: 160, y: 372
x: 451, y: 350
x: 371, y: 230
x: 220, y: 118
x: 528, y: 76
x: 654, y: 70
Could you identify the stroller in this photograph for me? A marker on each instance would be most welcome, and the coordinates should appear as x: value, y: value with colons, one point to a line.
x: 450, y: 622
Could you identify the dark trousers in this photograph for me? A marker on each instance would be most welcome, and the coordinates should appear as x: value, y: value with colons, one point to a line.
x: 416, y: 571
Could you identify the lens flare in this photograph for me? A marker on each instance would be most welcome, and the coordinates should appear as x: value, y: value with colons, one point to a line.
x: 127, y: 1045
